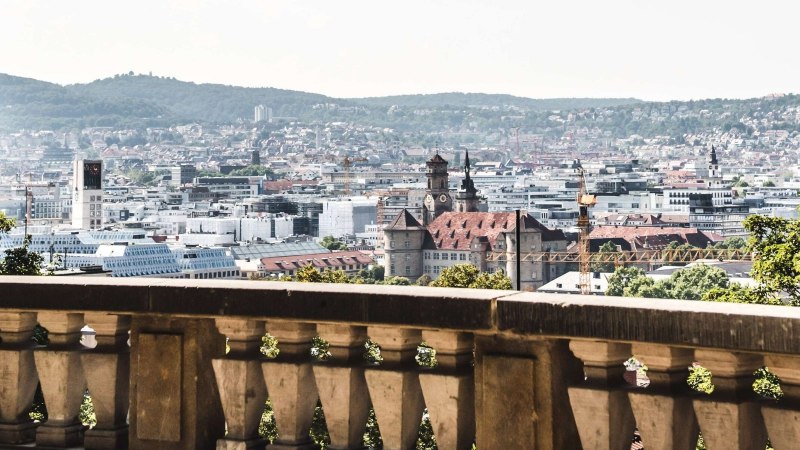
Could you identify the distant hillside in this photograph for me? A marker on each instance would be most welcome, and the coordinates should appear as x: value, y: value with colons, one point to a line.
x: 28, y: 103
x: 459, y: 99
x: 137, y: 101
x: 201, y: 102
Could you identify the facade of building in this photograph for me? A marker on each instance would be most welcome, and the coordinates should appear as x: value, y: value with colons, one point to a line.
x: 486, y: 240
x: 87, y: 204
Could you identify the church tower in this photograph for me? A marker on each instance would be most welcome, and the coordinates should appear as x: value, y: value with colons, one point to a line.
x: 714, y: 174
x: 437, y: 197
x: 467, y: 195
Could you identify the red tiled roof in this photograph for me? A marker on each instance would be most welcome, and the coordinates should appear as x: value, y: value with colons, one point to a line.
x: 332, y: 260
x: 455, y: 231
x: 651, y: 236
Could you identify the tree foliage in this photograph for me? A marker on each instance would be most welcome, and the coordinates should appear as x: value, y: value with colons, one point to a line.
x: 254, y: 170
x: 607, y: 248
x: 686, y: 284
x: 469, y: 276
x: 331, y: 243
x: 776, y: 242
x: 621, y: 279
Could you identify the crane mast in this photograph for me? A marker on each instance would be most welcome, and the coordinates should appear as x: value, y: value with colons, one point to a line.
x: 585, y: 201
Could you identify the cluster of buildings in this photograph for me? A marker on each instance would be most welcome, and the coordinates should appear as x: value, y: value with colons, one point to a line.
x: 255, y: 199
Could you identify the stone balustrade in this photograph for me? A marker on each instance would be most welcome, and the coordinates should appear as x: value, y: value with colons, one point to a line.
x: 513, y: 370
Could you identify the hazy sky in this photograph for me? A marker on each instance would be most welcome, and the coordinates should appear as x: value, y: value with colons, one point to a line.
x: 650, y: 49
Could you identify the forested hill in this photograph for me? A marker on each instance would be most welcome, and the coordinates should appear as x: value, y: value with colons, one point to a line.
x: 201, y: 102
x: 143, y: 100
x: 33, y: 104
x: 137, y: 101
x: 460, y: 99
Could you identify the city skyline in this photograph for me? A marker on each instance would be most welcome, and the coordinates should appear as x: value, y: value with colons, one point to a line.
x: 674, y: 51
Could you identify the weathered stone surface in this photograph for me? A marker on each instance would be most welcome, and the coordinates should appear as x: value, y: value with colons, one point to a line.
x: 783, y: 426
x: 450, y: 401
x: 730, y: 425
x: 200, y: 415
x: 663, y: 410
x: 18, y: 382
x: 18, y: 377
x: 61, y: 376
x: 293, y: 393
x: 509, y: 397
x: 158, y: 394
x: 401, y: 305
x: 664, y: 422
x: 740, y: 327
x: 344, y: 395
x: 398, y: 405
x: 604, y: 417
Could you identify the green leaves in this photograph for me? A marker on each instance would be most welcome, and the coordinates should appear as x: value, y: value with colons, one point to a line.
x: 686, y: 284
x: 767, y: 385
x: 269, y: 346
x: 21, y: 261
x: 469, y: 276
x: 700, y: 379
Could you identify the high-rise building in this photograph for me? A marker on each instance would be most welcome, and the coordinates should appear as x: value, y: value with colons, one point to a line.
x: 262, y: 113
x: 87, y: 204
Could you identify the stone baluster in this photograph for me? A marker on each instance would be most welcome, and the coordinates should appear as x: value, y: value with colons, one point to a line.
x: 394, y: 386
x: 63, y: 383
x: 600, y: 404
x: 449, y: 389
x: 241, y: 383
x: 107, y: 369
x: 341, y: 385
x: 782, y: 418
x: 663, y: 410
x: 18, y: 378
x: 290, y: 381
x: 730, y: 417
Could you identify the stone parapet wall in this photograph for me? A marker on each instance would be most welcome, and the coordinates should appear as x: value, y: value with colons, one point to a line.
x: 515, y: 370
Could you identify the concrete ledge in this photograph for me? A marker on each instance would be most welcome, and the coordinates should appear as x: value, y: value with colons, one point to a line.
x: 463, y: 309
x: 756, y: 328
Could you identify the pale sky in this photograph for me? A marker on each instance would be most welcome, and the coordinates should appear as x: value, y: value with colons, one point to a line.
x: 649, y: 49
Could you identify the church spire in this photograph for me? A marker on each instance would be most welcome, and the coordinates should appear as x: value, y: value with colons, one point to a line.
x: 713, y: 156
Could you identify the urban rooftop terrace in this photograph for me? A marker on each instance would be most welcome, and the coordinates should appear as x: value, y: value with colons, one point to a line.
x: 515, y: 370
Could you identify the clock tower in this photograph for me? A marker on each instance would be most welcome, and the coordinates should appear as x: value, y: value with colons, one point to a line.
x: 87, y: 198
x: 437, y: 195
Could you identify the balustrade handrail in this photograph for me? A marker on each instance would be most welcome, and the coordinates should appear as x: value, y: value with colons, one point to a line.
x: 742, y: 327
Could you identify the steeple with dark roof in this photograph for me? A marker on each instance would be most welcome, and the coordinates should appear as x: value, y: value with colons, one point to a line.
x: 467, y: 195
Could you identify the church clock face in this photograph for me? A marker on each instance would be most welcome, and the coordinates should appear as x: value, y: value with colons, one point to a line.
x: 443, y: 198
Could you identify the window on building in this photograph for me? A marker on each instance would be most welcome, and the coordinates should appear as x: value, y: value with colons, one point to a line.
x: 391, y: 268
x: 435, y: 255
x: 453, y: 256
x: 405, y: 244
x: 408, y: 270
x: 462, y: 257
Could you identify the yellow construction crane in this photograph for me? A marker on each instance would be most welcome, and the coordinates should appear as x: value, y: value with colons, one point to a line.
x: 651, y: 257
x: 347, y: 163
x: 585, y: 201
